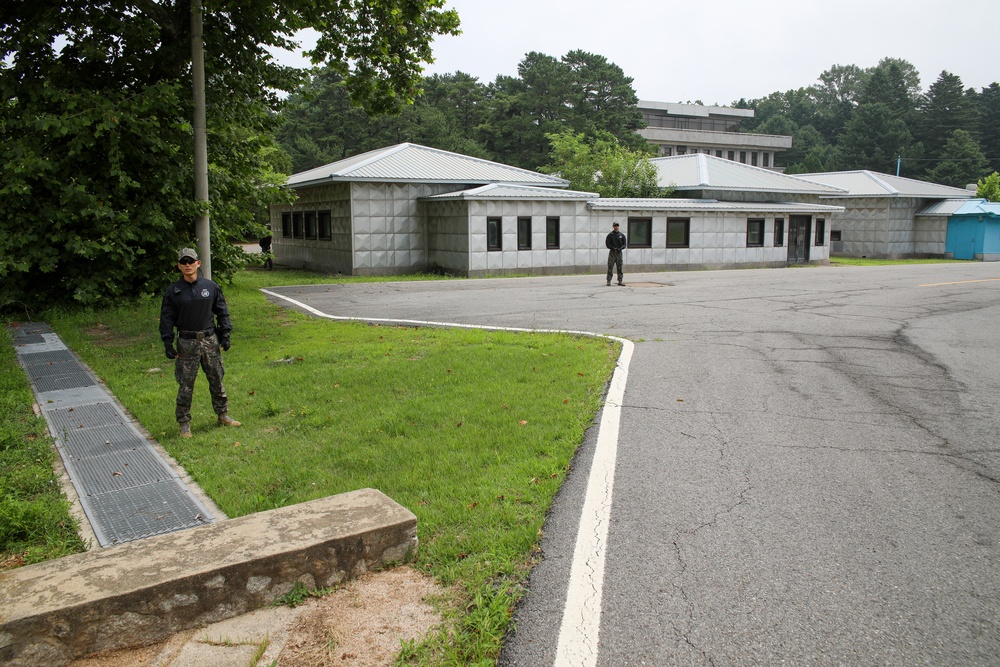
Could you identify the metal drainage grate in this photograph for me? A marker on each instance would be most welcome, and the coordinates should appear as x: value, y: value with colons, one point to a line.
x: 143, y: 511
x: 126, y: 488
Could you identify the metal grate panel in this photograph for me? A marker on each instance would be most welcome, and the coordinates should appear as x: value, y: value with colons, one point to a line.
x: 30, y: 359
x: 144, y: 511
x: 55, y: 400
x: 126, y: 488
x: 28, y: 339
x: 79, y: 378
x: 97, y: 441
x: 65, y: 420
x: 124, y: 469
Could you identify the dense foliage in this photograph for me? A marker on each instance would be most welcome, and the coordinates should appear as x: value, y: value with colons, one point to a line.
x: 879, y: 118
x: 96, y: 161
x: 603, y: 165
x: 507, y: 120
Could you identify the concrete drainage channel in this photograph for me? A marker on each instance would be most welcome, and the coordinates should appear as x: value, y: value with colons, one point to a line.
x: 168, y: 564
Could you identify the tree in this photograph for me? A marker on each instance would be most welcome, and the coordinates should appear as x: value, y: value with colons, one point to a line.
x: 989, y: 124
x: 836, y: 96
x: 963, y: 163
x: 874, y: 138
x: 945, y: 108
x: 989, y: 188
x: 581, y: 91
x: 321, y: 124
x: 95, y: 158
x: 602, y: 165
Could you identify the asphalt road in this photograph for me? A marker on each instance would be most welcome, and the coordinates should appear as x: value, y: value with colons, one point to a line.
x: 808, y: 468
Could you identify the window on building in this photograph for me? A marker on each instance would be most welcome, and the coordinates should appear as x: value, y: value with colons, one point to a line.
x: 779, y: 231
x: 297, y: 224
x: 325, y: 228
x: 682, y: 150
x: 640, y: 233
x: 678, y: 232
x: 286, y: 225
x: 743, y: 157
x: 310, y: 222
x: 718, y: 153
x: 753, y: 158
x: 666, y: 151
x: 494, y: 234
x: 732, y: 155
x: 552, y: 232
x: 820, y: 231
x: 524, y: 233
x: 834, y: 234
x: 765, y: 159
x: 755, y: 232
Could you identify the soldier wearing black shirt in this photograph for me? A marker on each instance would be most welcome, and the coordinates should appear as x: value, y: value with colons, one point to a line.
x: 616, y: 243
x: 196, y: 307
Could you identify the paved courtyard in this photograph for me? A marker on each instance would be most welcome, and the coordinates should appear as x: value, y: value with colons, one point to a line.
x: 807, y: 468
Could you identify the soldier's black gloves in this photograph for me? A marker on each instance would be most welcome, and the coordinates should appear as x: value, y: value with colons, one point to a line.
x: 170, y: 352
x: 224, y: 343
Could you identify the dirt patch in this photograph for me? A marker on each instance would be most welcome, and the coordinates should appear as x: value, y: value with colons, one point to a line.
x: 363, y: 624
x: 360, y: 625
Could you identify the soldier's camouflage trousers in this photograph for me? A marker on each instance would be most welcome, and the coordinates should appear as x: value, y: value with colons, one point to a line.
x: 192, y: 354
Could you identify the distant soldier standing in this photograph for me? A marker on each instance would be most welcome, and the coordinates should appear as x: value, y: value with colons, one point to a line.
x: 197, y: 308
x: 616, y: 243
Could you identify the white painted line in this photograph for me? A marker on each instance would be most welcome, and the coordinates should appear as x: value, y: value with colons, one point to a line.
x: 581, y: 620
x: 581, y: 623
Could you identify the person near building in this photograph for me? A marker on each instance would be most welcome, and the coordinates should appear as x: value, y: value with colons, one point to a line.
x: 616, y: 245
x: 196, y: 308
x: 265, y: 249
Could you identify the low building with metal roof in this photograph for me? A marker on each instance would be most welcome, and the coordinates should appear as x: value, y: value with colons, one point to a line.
x: 411, y: 208
x: 974, y: 231
x: 882, y: 214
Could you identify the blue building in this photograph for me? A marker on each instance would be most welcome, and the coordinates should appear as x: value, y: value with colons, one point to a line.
x: 974, y: 231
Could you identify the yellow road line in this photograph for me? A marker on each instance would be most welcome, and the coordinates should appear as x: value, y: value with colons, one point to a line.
x: 961, y: 282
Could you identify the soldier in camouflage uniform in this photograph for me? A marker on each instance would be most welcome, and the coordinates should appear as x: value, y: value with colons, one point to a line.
x: 196, y: 307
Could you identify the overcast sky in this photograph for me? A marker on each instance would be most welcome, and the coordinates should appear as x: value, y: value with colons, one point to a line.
x: 718, y: 51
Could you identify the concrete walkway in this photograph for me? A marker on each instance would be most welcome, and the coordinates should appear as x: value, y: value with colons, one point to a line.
x: 125, y: 485
x: 171, y: 567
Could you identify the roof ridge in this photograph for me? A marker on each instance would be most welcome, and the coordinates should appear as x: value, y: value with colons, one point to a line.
x: 702, y: 170
x: 875, y: 177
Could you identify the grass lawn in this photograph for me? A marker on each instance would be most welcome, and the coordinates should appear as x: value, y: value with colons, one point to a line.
x: 471, y: 430
x: 35, y: 523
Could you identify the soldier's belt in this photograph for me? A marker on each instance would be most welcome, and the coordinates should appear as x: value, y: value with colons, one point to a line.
x: 197, y: 335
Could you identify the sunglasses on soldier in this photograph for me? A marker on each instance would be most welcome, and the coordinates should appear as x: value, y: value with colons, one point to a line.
x: 186, y: 260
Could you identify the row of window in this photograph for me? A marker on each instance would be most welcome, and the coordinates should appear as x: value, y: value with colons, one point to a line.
x: 763, y: 157
x: 494, y: 233
x: 640, y: 233
x: 659, y: 119
x: 307, y: 225
x: 317, y: 225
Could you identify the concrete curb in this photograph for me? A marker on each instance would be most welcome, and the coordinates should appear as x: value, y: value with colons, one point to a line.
x: 141, y: 592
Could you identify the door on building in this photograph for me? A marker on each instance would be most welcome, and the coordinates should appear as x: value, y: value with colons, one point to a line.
x: 799, y: 230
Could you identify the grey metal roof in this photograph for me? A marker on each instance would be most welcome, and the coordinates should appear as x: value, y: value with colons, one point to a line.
x: 864, y: 183
x: 511, y: 191
x: 709, y: 205
x: 707, y: 172
x: 420, y: 164
x: 945, y: 207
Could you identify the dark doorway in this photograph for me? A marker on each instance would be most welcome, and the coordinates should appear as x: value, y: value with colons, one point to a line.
x: 799, y: 230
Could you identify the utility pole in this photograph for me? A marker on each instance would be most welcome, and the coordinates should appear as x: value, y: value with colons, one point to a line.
x: 202, y: 226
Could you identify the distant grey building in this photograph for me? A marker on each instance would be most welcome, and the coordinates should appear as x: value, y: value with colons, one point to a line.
x: 685, y: 129
x: 888, y: 216
x: 410, y: 208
